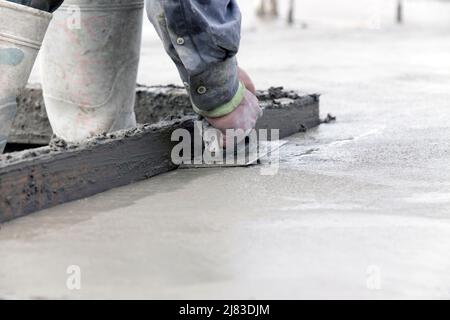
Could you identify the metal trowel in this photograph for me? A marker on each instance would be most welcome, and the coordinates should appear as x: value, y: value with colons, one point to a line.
x: 248, y: 152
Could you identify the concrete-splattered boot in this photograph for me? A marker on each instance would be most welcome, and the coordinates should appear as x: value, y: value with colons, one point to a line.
x: 89, y: 67
x: 22, y: 30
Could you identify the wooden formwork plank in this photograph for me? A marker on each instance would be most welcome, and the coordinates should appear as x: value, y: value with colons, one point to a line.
x: 40, y: 178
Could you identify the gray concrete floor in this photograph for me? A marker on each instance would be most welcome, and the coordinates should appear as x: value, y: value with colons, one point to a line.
x: 358, y: 208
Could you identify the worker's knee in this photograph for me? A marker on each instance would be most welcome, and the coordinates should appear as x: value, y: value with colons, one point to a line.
x: 45, y: 5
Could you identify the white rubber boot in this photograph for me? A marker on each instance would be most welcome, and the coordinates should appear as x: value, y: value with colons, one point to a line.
x: 89, y: 67
x: 22, y: 30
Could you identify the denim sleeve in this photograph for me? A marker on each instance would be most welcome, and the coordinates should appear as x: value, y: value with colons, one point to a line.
x: 202, y: 38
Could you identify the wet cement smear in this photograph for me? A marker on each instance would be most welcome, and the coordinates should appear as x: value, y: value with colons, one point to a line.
x: 11, y: 56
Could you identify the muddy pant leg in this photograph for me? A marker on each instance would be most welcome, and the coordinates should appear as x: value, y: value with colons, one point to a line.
x: 22, y: 30
x: 202, y: 38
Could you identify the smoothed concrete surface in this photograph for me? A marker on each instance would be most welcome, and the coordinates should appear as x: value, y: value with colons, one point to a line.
x: 294, y: 235
x: 359, y: 203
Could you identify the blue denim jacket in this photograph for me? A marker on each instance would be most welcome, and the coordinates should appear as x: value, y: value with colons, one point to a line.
x: 202, y: 37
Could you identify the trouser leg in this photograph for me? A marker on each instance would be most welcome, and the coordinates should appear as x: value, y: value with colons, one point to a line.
x: 45, y: 5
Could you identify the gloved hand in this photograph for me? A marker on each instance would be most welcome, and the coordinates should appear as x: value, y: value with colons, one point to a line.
x: 243, y: 118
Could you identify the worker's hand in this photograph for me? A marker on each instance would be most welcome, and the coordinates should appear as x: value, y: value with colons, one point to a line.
x: 243, y: 119
x: 246, y: 80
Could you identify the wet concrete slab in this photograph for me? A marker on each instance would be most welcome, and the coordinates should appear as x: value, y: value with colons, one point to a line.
x: 293, y: 235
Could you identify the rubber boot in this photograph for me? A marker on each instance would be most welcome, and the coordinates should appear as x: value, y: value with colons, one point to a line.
x: 89, y: 67
x: 22, y: 30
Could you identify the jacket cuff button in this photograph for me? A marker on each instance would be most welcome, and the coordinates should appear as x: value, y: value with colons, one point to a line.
x: 201, y: 90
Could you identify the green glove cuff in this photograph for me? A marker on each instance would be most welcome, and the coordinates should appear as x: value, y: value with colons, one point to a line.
x: 225, y: 109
